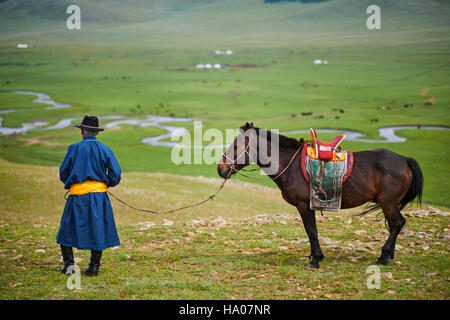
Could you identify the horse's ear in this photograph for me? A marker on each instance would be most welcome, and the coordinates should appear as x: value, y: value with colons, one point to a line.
x: 247, y: 126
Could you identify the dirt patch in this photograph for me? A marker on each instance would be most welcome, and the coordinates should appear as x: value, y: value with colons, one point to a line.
x: 233, y: 96
x: 33, y: 141
x: 431, y: 101
x: 182, y: 70
x: 244, y: 66
x: 36, y: 140
x: 424, y: 92
x: 41, y: 139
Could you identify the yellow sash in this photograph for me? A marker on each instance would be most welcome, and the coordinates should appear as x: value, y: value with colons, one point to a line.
x: 87, y: 187
x: 337, y: 156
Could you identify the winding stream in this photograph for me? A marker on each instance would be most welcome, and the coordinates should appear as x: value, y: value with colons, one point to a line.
x: 388, y: 133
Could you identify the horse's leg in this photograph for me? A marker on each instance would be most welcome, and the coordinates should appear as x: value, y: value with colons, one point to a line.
x: 309, y: 221
x: 395, y: 222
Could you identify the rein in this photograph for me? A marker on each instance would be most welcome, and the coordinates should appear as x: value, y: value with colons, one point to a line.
x: 290, y: 162
x: 277, y: 176
x: 233, y: 168
x: 211, y: 197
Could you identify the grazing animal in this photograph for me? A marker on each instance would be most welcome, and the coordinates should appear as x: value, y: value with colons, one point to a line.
x: 381, y: 176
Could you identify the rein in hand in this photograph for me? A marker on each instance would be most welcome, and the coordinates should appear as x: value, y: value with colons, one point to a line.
x: 211, y: 197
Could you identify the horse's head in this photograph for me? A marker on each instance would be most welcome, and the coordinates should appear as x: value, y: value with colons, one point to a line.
x: 240, y: 153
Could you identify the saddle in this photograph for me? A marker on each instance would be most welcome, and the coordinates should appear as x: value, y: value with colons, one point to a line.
x: 325, y: 151
x: 326, y: 167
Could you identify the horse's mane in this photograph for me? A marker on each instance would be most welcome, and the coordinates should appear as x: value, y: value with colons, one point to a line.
x: 284, y: 141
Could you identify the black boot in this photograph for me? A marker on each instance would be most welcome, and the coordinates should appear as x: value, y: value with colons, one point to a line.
x: 94, y: 264
x: 67, y: 254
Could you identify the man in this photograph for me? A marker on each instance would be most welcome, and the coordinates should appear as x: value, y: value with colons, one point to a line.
x: 87, y: 223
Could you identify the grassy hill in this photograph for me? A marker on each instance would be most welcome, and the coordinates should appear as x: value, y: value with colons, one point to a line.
x: 246, y: 244
x: 214, y: 22
x: 137, y: 57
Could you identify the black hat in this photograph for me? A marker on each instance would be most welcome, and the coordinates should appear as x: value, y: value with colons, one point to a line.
x: 89, y: 123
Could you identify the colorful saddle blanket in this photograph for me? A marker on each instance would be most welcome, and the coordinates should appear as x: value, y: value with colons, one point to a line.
x: 326, y: 177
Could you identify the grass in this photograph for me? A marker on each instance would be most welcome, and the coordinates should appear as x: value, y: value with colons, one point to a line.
x: 222, y: 263
x: 370, y: 76
x: 257, y: 251
x: 137, y: 58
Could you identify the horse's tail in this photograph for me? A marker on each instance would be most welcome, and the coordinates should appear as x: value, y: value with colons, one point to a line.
x: 416, y: 187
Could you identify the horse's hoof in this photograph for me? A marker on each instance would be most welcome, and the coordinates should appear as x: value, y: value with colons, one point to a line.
x: 312, y: 266
x: 382, y: 262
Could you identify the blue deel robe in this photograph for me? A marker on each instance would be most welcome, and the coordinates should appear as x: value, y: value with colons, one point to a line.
x: 88, y: 222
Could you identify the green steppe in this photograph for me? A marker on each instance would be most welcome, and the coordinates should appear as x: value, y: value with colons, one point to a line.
x: 137, y: 58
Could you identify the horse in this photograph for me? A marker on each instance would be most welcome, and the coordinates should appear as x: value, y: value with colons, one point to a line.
x: 382, y: 177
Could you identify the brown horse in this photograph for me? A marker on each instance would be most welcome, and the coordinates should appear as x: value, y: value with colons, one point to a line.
x: 383, y: 177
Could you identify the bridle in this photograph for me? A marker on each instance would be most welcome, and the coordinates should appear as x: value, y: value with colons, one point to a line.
x: 245, y: 152
x: 233, y: 167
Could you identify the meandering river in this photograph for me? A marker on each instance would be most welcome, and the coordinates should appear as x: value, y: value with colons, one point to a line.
x: 388, y: 133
